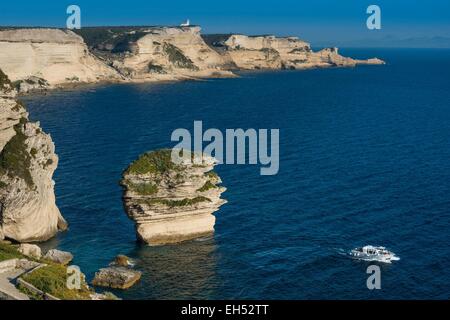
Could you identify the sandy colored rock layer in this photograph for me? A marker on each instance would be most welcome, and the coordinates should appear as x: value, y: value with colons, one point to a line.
x: 171, y: 203
x: 58, y: 56
x: 270, y: 52
x: 35, y: 57
x: 28, y: 212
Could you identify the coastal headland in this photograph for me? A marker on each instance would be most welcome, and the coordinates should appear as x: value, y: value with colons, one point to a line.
x: 169, y: 203
x: 43, y: 58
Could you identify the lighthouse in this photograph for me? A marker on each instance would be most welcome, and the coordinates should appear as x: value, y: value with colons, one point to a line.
x: 186, y: 24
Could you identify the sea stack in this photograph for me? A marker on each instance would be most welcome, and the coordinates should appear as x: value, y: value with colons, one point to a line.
x: 28, y: 212
x: 170, y: 202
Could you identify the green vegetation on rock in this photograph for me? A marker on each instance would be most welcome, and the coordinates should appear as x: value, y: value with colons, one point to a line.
x: 154, y: 68
x: 31, y: 294
x: 116, y: 38
x: 52, y: 279
x: 207, y: 186
x: 199, y: 166
x: 212, y: 175
x: 8, y: 252
x: 5, y: 83
x: 142, y: 188
x: 177, y: 203
x: 156, y: 162
x: 14, y: 158
x: 94, y: 36
x: 33, y: 152
x: 177, y: 57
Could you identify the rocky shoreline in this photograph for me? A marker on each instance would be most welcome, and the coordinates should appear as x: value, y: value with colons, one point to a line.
x: 27, y: 274
x: 27, y: 162
x: 169, y: 203
x: 43, y: 59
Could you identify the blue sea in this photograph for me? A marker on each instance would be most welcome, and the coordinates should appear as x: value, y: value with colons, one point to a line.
x: 364, y: 159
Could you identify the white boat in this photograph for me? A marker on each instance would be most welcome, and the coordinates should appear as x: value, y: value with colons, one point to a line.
x: 372, y: 253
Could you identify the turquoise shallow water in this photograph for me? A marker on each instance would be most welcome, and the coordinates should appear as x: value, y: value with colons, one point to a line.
x: 364, y: 159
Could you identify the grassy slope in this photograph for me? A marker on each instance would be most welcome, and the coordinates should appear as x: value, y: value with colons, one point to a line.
x: 8, y: 252
x: 51, y: 279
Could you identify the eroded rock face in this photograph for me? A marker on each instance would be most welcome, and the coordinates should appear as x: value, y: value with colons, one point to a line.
x: 122, y: 261
x: 171, y: 203
x: 58, y: 56
x: 32, y: 84
x: 30, y: 250
x: 45, y: 58
x: 167, y: 53
x: 58, y: 256
x: 28, y: 212
x: 116, y: 277
x: 270, y: 52
x: 119, y: 275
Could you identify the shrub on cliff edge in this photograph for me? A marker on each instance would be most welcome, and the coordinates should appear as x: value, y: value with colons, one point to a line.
x: 153, y: 162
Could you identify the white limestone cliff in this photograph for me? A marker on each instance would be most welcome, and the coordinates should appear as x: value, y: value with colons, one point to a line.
x: 28, y: 212
x: 37, y: 59
x: 270, y: 52
x: 169, y: 53
x: 57, y: 56
x: 171, y: 203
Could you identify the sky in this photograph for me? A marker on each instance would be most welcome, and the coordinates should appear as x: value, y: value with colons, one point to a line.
x: 321, y: 22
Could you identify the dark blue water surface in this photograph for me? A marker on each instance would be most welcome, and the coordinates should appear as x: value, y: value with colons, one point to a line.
x: 364, y: 159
